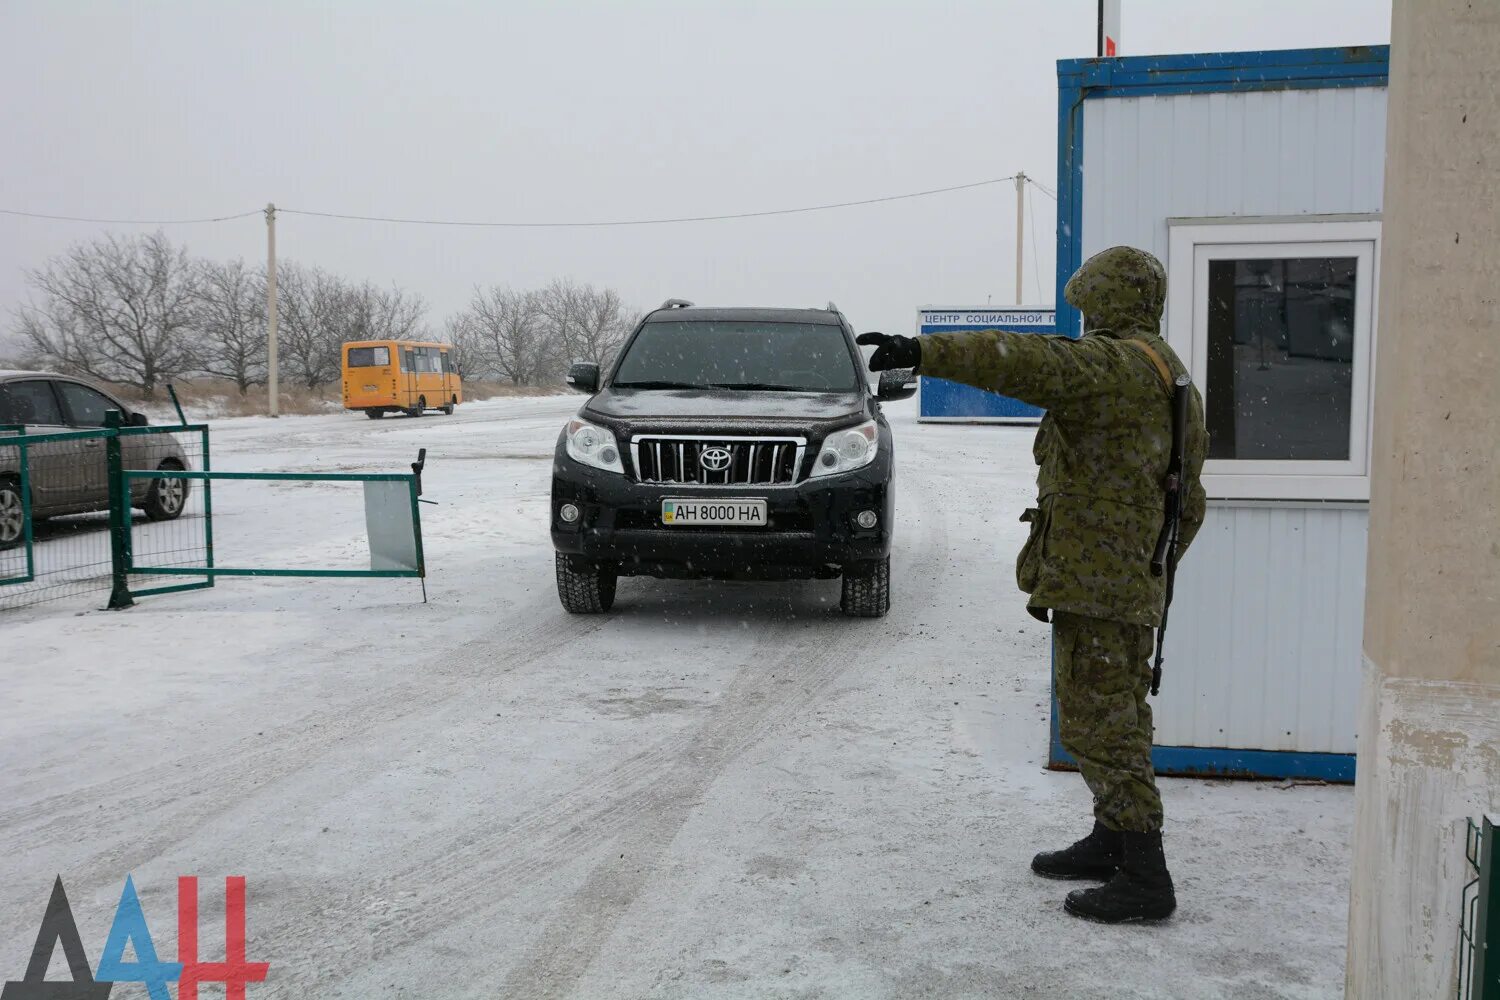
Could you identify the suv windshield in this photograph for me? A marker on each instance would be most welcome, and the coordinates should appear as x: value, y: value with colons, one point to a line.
x: 787, y: 357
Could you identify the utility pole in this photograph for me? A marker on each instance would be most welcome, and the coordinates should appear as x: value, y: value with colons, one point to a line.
x: 1020, y: 226
x: 271, y: 366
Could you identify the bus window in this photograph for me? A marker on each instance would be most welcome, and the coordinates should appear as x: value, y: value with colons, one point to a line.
x: 430, y: 360
x: 447, y: 363
x: 409, y: 363
x: 369, y: 357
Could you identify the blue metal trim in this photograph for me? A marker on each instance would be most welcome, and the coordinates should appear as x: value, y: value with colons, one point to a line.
x: 1228, y: 762
x: 1225, y: 72
x: 1069, y: 200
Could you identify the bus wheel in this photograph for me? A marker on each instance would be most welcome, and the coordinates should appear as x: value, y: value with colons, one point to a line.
x: 374, y: 414
x: 447, y: 407
x: 416, y: 411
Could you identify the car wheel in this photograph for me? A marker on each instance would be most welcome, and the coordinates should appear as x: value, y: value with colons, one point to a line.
x: 374, y: 414
x: 867, y: 590
x: 166, y: 498
x: 12, y: 513
x: 585, y: 588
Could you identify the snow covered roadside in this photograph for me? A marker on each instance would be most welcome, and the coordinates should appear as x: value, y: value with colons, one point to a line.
x: 717, y: 791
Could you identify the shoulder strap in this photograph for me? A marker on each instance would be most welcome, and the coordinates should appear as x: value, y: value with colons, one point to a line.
x: 1156, y: 359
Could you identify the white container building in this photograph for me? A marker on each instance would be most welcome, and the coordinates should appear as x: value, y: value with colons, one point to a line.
x: 1256, y: 178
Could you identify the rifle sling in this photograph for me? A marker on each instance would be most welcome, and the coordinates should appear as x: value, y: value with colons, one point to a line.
x: 1156, y: 360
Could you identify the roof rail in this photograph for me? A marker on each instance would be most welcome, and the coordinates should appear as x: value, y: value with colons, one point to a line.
x: 676, y: 304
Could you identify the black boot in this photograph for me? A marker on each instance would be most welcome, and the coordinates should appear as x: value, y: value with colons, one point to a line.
x: 1141, y: 890
x: 1096, y: 856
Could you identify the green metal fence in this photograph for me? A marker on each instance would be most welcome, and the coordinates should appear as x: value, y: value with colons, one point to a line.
x: 129, y: 511
x: 63, y: 502
x: 1479, y: 931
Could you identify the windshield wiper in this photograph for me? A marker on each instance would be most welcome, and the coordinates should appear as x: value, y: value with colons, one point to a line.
x: 657, y: 384
x: 764, y: 387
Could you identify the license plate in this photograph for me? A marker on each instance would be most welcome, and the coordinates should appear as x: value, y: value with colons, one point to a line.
x: 720, y: 513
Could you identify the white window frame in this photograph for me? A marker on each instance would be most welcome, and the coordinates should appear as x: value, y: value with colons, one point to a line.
x: 1192, y: 243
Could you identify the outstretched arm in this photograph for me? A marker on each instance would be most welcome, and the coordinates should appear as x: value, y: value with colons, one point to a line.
x: 1046, y: 371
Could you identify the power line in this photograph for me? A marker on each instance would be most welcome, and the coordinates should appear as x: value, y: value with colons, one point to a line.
x: 523, y: 225
x: 129, y: 222
x: 1045, y: 189
x: 648, y: 222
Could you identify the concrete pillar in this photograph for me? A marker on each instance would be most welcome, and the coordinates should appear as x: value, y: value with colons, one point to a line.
x: 1429, y: 741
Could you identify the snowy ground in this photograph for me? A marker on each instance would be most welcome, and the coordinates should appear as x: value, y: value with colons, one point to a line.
x: 718, y: 791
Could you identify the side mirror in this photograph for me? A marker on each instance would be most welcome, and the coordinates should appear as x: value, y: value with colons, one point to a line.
x: 138, y: 419
x: 897, y: 383
x: 584, y: 376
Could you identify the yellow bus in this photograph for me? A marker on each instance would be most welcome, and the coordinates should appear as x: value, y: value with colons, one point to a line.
x: 400, y: 376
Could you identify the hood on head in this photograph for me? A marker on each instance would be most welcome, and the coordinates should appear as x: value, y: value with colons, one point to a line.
x: 1119, y: 289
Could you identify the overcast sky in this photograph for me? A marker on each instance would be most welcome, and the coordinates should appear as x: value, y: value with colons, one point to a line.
x: 570, y: 111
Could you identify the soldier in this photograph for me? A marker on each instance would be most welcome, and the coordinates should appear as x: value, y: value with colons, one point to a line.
x: 1102, y: 449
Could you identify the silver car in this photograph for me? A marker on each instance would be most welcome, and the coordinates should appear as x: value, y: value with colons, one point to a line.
x: 69, y: 477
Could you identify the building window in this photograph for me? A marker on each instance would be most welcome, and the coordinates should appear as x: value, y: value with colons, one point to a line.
x: 1276, y: 322
x: 1280, y: 357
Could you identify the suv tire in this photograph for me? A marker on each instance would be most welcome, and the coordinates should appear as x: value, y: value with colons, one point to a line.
x: 584, y: 588
x: 867, y: 590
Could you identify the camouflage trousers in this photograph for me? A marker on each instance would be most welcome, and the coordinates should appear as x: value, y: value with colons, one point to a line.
x: 1103, y: 675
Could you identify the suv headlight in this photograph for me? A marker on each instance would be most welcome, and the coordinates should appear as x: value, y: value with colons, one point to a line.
x: 849, y: 449
x: 592, y: 445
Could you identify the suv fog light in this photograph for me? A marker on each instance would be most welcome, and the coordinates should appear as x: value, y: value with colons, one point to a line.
x: 865, y: 519
x: 568, y: 512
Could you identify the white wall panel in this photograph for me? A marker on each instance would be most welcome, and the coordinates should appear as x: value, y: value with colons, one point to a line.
x: 1263, y: 648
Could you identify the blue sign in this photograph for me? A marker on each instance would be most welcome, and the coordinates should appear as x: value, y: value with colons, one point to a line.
x: 941, y: 399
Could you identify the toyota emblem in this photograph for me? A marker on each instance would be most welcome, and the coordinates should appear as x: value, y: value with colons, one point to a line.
x: 715, y: 459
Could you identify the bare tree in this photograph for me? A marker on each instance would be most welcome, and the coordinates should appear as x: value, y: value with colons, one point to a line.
x: 313, y: 311
x: 119, y: 309
x: 378, y: 314
x: 469, y: 357
x: 601, y: 325
x: 231, y: 320
x: 584, y: 323
x: 511, y: 333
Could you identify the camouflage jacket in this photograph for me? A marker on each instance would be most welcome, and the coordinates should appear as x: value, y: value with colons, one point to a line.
x: 1103, y: 445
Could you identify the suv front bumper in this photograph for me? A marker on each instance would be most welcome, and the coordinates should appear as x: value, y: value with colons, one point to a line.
x: 811, y: 531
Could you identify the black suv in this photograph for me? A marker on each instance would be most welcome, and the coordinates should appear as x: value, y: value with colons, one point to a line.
x: 728, y: 444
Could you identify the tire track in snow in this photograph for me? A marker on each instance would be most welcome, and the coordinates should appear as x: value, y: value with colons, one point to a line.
x: 204, y: 785
x: 638, y: 803
x: 580, y: 928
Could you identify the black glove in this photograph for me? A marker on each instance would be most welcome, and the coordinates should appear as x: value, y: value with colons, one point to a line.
x: 891, y: 351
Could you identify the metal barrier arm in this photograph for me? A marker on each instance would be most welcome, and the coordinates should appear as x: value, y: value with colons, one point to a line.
x: 211, y: 571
